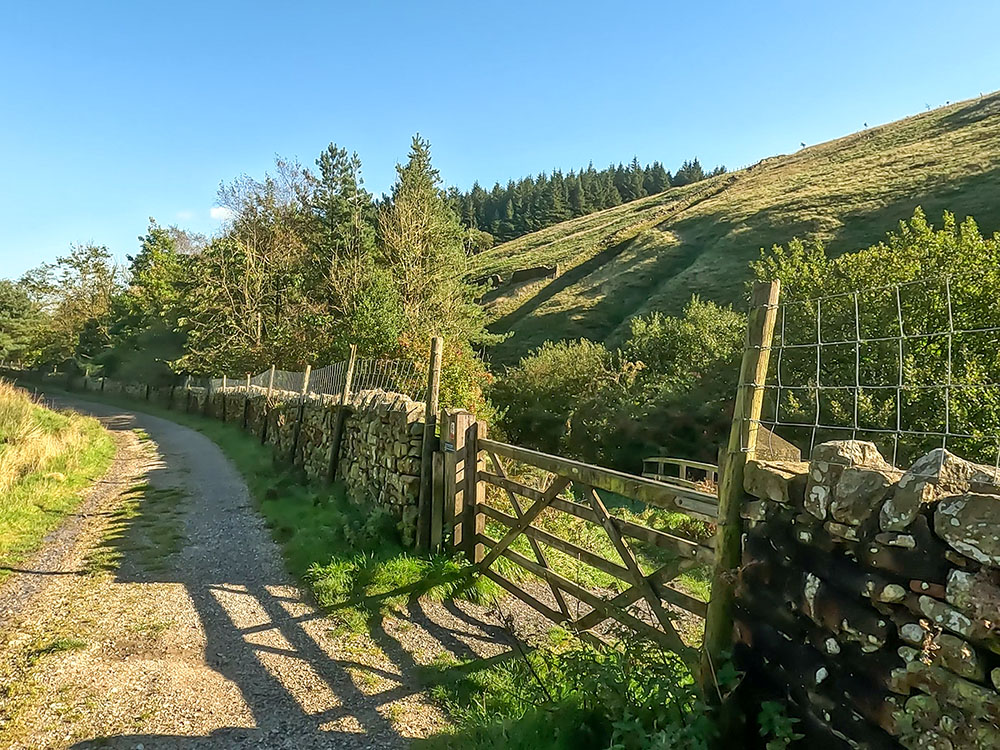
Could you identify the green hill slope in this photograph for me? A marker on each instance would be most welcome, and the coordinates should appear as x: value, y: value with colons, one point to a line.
x: 654, y: 253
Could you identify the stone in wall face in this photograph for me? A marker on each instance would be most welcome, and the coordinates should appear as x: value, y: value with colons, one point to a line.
x: 860, y: 492
x: 828, y: 463
x: 931, y: 477
x: 779, y: 481
x: 970, y: 524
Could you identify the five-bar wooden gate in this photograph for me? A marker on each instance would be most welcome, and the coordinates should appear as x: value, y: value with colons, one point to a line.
x: 470, y: 464
x: 479, y: 480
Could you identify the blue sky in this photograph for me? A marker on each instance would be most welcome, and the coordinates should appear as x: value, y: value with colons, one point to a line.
x: 112, y: 112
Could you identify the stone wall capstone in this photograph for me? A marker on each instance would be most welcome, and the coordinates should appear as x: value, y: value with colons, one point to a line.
x: 869, y: 597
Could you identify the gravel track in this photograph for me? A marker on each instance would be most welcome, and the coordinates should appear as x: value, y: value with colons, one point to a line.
x: 215, y: 647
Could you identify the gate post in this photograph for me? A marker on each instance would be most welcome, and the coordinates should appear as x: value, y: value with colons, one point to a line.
x: 424, y: 501
x: 453, y: 434
x: 340, y: 416
x: 741, y: 446
x: 474, y: 495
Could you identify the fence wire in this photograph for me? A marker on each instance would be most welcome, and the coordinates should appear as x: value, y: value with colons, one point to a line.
x: 401, y: 377
x: 910, y: 366
x: 394, y: 376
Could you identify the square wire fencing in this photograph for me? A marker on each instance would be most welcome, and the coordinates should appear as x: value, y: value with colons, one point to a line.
x: 910, y: 367
x: 399, y: 376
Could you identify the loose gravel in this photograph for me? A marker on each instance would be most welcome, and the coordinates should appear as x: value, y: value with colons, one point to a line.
x: 214, y: 647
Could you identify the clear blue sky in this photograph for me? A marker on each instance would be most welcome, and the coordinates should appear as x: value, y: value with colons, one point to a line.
x: 112, y: 112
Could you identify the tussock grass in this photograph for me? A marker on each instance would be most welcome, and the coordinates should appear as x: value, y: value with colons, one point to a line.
x: 47, y: 459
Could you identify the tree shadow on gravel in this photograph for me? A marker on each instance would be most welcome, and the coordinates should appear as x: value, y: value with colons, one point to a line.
x: 266, y: 639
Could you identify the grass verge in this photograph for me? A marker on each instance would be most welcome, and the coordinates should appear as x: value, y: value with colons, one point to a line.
x: 47, y: 460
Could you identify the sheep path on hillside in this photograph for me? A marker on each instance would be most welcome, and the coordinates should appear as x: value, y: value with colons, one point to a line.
x: 211, y: 645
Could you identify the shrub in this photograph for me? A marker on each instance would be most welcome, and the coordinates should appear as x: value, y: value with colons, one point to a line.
x: 543, y: 390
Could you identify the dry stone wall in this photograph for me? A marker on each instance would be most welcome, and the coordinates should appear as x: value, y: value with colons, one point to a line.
x: 869, y: 597
x: 381, y: 445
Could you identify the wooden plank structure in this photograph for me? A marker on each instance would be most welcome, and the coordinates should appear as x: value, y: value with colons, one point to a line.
x: 648, y: 604
x: 678, y: 471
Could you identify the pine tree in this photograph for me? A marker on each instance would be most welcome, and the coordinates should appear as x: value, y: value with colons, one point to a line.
x: 421, y: 242
x: 689, y: 172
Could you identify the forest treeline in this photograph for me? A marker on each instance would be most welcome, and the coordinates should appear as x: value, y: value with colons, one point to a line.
x: 532, y: 203
x: 307, y: 264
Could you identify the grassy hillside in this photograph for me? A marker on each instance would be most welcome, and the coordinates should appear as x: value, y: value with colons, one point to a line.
x: 654, y: 253
x: 46, y: 460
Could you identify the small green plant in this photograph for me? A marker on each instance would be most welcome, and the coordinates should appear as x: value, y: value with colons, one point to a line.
x: 774, y: 722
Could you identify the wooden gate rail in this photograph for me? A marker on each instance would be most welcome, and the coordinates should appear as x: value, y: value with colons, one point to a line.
x: 472, y: 512
x: 650, y: 491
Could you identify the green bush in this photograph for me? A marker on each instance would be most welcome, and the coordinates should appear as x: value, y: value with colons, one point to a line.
x: 667, y: 391
x: 541, y: 393
x: 630, y: 697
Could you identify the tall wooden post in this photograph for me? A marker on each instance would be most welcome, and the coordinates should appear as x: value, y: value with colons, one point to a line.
x: 453, y: 433
x: 246, y: 402
x: 341, y: 418
x: 300, y: 413
x: 267, y: 407
x: 222, y: 392
x: 473, y: 495
x: 741, y: 447
x: 427, y: 454
x: 206, y: 409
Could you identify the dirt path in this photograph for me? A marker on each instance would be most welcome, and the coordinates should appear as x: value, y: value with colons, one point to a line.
x: 163, y: 618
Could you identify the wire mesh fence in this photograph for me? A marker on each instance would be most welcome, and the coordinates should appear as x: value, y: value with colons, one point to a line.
x: 402, y: 377
x: 394, y: 376
x: 910, y: 367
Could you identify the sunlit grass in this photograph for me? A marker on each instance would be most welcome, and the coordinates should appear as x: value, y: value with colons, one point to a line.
x: 47, y: 460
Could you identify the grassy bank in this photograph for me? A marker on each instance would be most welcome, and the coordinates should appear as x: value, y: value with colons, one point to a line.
x: 47, y: 460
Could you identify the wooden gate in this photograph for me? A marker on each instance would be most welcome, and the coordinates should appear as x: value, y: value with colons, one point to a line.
x: 515, y: 511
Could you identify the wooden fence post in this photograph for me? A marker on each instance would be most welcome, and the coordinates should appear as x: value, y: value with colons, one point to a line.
x: 246, y: 402
x: 453, y: 434
x: 206, y: 409
x: 222, y: 392
x: 474, y: 495
x: 300, y: 413
x: 341, y: 415
x: 741, y: 446
x: 267, y: 407
x: 427, y: 452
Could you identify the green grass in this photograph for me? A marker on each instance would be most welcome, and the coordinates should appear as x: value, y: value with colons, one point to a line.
x: 654, y: 253
x: 147, y: 529
x: 54, y: 646
x: 48, y: 460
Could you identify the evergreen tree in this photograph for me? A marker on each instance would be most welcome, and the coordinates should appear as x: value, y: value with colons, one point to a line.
x: 689, y: 172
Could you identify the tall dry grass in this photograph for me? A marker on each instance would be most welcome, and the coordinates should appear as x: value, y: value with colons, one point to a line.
x: 32, y: 436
